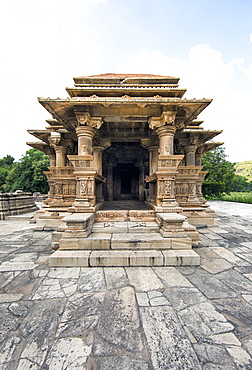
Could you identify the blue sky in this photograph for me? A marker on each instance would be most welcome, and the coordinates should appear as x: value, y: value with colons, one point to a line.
x: 208, y: 44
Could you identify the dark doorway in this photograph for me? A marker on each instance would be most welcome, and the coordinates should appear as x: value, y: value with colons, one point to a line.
x: 124, y: 165
x: 125, y: 182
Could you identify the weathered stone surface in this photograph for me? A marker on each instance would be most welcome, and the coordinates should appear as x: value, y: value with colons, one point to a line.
x: 212, y: 353
x: 9, y: 352
x: 33, y: 339
x: 17, y: 266
x: 238, y: 311
x: 110, y: 258
x: 203, y: 320
x: 64, y: 273
x: 8, y: 321
x: 24, y: 283
x: 80, y: 315
x: 102, y: 348
x: 119, y: 323
x: 10, y: 297
x: 143, y: 279
x: 64, y: 258
x: 5, y: 278
x: 41, y: 321
x: 181, y: 258
x: 38, y: 329
x: 183, y: 297
x: 215, y: 265
x: 20, y: 309
x: 68, y: 353
x: 91, y: 280
x: 169, y: 346
x: 225, y: 338
x: 159, y: 301
x: 241, y: 358
x: 172, y: 277
x: 146, y: 258
x: 118, y: 362
x: 115, y: 277
x: 209, y: 285
x: 226, y: 254
x: 236, y: 281
x: 142, y: 299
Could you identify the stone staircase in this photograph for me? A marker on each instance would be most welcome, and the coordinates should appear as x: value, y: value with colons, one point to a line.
x: 123, y: 242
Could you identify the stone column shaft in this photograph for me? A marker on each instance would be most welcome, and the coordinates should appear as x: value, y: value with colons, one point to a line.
x: 60, y: 156
x: 166, y: 138
x: 190, y: 155
x: 52, y: 158
x: 85, y: 136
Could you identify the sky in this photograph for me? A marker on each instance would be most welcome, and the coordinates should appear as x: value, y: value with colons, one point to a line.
x: 207, y: 43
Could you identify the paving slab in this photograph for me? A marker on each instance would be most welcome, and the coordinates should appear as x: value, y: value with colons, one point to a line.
x: 179, y: 317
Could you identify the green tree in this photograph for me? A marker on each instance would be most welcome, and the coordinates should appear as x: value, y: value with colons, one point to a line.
x: 7, y: 161
x: 220, y: 173
x: 27, y: 174
x: 6, y: 164
x: 240, y: 183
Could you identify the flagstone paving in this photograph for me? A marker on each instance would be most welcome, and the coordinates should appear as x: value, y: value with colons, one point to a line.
x: 179, y: 318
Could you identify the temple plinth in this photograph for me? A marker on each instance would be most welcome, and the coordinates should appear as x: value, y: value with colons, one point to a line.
x: 125, y: 172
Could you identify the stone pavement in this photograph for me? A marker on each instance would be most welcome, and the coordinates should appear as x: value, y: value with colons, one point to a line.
x: 128, y: 318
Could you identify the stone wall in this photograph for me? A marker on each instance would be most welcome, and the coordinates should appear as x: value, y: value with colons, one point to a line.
x: 16, y: 203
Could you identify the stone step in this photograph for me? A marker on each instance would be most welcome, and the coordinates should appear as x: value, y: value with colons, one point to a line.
x: 124, y: 258
x: 125, y: 227
x: 130, y: 241
x: 21, y: 217
x: 125, y: 215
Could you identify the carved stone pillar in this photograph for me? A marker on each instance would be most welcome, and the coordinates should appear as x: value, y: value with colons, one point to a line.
x: 153, y: 161
x: 87, y: 176
x: 198, y: 156
x: 85, y: 136
x: 167, y: 169
x: 97, y: 152
x: 60, y: 155
x: 190, y: 155
x: 52, y: 158
x: 166, y: 138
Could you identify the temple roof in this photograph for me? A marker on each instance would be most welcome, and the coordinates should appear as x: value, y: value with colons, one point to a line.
x: 126, y: 78
x: 128, y: 75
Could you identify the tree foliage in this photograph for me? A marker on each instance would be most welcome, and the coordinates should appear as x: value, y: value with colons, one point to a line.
x: 26, y: 174
x: 220, y: 173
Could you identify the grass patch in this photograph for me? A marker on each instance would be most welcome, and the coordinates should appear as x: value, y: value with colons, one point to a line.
x: 238, y: 197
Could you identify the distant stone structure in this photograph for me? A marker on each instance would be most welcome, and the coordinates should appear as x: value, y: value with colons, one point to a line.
x: 16, y: 203
x: 125, y: 137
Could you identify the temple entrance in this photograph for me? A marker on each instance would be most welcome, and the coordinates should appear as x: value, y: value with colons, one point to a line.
x: 125, y: 181
x: 125, y: 166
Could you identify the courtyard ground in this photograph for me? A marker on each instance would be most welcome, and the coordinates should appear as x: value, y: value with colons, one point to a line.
x: 135, y: 318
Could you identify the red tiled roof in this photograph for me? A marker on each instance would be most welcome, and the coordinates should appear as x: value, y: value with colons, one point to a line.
x: 125, y: 75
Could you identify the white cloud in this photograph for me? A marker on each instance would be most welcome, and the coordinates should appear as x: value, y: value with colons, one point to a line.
x: 250, y: 38
x: 248, y: 73
x: 206, y: 75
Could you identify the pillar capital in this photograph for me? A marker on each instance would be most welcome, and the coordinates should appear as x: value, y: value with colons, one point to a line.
x: 167, y: 130
x: 85, y: 131
x: 85, y: 119
x: 167, y: 118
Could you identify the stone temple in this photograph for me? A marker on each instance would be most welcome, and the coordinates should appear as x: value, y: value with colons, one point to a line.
x: 125, y: 172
